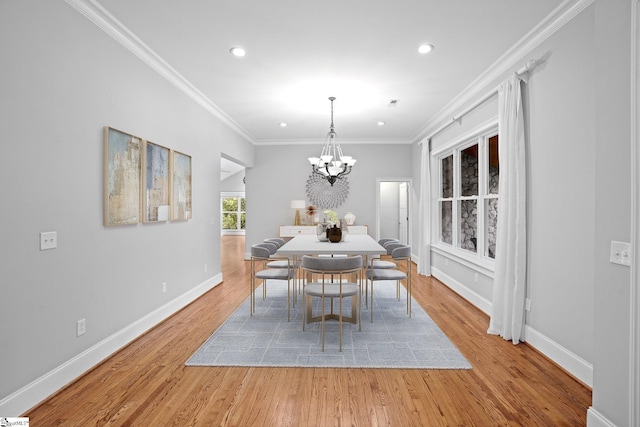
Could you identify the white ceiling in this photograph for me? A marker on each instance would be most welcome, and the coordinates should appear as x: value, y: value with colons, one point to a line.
x: 299, y: 52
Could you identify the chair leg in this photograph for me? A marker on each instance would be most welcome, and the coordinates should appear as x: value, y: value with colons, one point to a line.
x: 322, y: 321
x: 252, y: 296
x: 288, y: 300
x: 409, y: 288
x: 371, y: 302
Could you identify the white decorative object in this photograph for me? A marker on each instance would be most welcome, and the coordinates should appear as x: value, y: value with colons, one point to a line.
x: 350, y: 218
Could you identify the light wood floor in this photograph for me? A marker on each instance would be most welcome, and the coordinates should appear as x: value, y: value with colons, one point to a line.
x: 147, y: 384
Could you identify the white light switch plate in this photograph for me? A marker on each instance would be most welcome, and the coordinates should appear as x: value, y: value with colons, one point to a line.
x: 620, y: 253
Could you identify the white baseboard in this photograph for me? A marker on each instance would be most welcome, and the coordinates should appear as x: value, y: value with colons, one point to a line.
x: 462, y: 290
x: 569, y: 361
x: 30, y: 395
x: 596, y: 419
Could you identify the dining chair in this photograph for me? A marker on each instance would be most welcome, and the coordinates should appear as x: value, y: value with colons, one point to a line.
x: 334, y: 278
x: 277, y: 240
x: 274, y: 244
x: 390, y: 245
x: 399, y: 254
x: 384, y: 241
x: 260, y: 258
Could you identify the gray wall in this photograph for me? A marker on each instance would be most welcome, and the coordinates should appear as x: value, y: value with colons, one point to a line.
x: 560, y: 108
x: 577, y: 107
x: 63, y: 80
x: 280, y: 175
x: 233, y: 182
x: 612, y: 183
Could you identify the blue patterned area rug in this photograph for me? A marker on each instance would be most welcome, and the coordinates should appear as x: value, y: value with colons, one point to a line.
x: 393, y: 340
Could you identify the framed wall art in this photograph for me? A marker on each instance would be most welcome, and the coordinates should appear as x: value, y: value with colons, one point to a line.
x: 121, y: 177
x: 181, y: 187
x: 155, y: 188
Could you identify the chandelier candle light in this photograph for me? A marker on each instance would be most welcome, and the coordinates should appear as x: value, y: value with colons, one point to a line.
x: 332, y: 164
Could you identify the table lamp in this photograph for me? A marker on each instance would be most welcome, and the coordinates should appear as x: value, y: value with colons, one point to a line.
x: 297, y: 205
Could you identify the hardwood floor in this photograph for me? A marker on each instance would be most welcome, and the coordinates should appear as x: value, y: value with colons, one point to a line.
x: 147, y: 383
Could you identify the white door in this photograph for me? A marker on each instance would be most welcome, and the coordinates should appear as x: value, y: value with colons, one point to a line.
x: 403, y: 213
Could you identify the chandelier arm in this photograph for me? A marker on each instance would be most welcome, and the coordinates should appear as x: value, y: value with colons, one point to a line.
x: 332, y: 155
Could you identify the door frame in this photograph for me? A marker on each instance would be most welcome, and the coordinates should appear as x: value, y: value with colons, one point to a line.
x: 409, y: 182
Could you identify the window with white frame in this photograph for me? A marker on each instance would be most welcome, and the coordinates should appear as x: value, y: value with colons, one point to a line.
x: 233, y: 212
x: 469, y: 174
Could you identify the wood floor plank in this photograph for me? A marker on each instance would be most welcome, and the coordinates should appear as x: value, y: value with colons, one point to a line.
x: 147, y: 383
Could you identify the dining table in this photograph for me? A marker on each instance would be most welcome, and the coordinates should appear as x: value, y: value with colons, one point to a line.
x: 351, y: 244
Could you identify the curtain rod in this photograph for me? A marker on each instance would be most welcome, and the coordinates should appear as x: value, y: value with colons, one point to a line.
x: 530, y: 65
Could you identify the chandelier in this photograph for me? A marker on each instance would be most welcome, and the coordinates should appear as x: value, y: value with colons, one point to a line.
x: 332, y: 164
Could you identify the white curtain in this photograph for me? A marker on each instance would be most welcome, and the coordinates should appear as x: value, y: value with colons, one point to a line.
x: 508, y: 304
x: 424, y: 212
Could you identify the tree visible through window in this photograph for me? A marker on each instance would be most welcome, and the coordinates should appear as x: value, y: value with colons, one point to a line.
x: 233, y: 212
x: 468, y: 199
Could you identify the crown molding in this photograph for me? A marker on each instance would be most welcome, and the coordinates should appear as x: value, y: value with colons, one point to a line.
x: 557, y: 19
x: 342, y: 141
x: 104, y: 20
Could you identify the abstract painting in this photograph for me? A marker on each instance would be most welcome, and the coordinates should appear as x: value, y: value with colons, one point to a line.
x: 121, y: 178
x: 156, y: 183
x: 181, y: 192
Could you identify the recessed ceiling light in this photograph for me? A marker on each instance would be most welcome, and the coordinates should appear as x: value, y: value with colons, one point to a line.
x: 425, y: 48
x: 283, y: 125
x: 381, y: 123
x: 237, y: 51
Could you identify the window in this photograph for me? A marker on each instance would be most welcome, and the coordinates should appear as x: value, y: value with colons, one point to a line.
x: 233, y: 212
x: 468, y: 195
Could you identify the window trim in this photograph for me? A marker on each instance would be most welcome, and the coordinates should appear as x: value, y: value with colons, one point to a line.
x: 476, y: 260
x: 236, y: 194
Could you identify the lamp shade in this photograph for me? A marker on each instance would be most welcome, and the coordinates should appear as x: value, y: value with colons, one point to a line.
x: 298, y: 204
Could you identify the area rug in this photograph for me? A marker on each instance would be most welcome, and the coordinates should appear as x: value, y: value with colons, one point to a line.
x: 393, y: 340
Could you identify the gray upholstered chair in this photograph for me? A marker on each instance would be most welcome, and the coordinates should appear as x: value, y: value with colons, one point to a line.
x: 335, y: 278
x: 260, y: 257
x: 277, y: 240
x: 276, y: 243
x: 384, y: 241
x: 399, y: 253
x: 390, y: 245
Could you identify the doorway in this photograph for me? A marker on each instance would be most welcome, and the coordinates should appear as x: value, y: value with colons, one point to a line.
x: 393, y: 219
x: 232, y: 197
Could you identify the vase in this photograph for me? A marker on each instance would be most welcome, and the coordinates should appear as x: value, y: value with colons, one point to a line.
x: 334, y: 234
x: 321, y: 231
x: 350, y: 218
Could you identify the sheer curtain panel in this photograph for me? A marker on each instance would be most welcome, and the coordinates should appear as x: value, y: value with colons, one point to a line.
x: 508, y: 304
x: 424, y: 211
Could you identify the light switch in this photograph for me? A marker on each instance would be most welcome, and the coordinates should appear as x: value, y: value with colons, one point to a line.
x: 620, y: 253
x: 48, y: 240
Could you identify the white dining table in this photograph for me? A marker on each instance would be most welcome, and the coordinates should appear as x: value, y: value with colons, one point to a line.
x: 353, y: 244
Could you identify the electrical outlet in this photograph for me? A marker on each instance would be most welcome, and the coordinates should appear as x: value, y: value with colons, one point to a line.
x: 620, y: 253
x: 205, y: 268
x: 48, y: 240
x: 81, y: 327
x: 164, y: 287
x: 475, y: 277
x: 527, y: 304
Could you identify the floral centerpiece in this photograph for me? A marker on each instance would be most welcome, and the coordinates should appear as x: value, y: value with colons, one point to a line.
x: 331, y: 216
